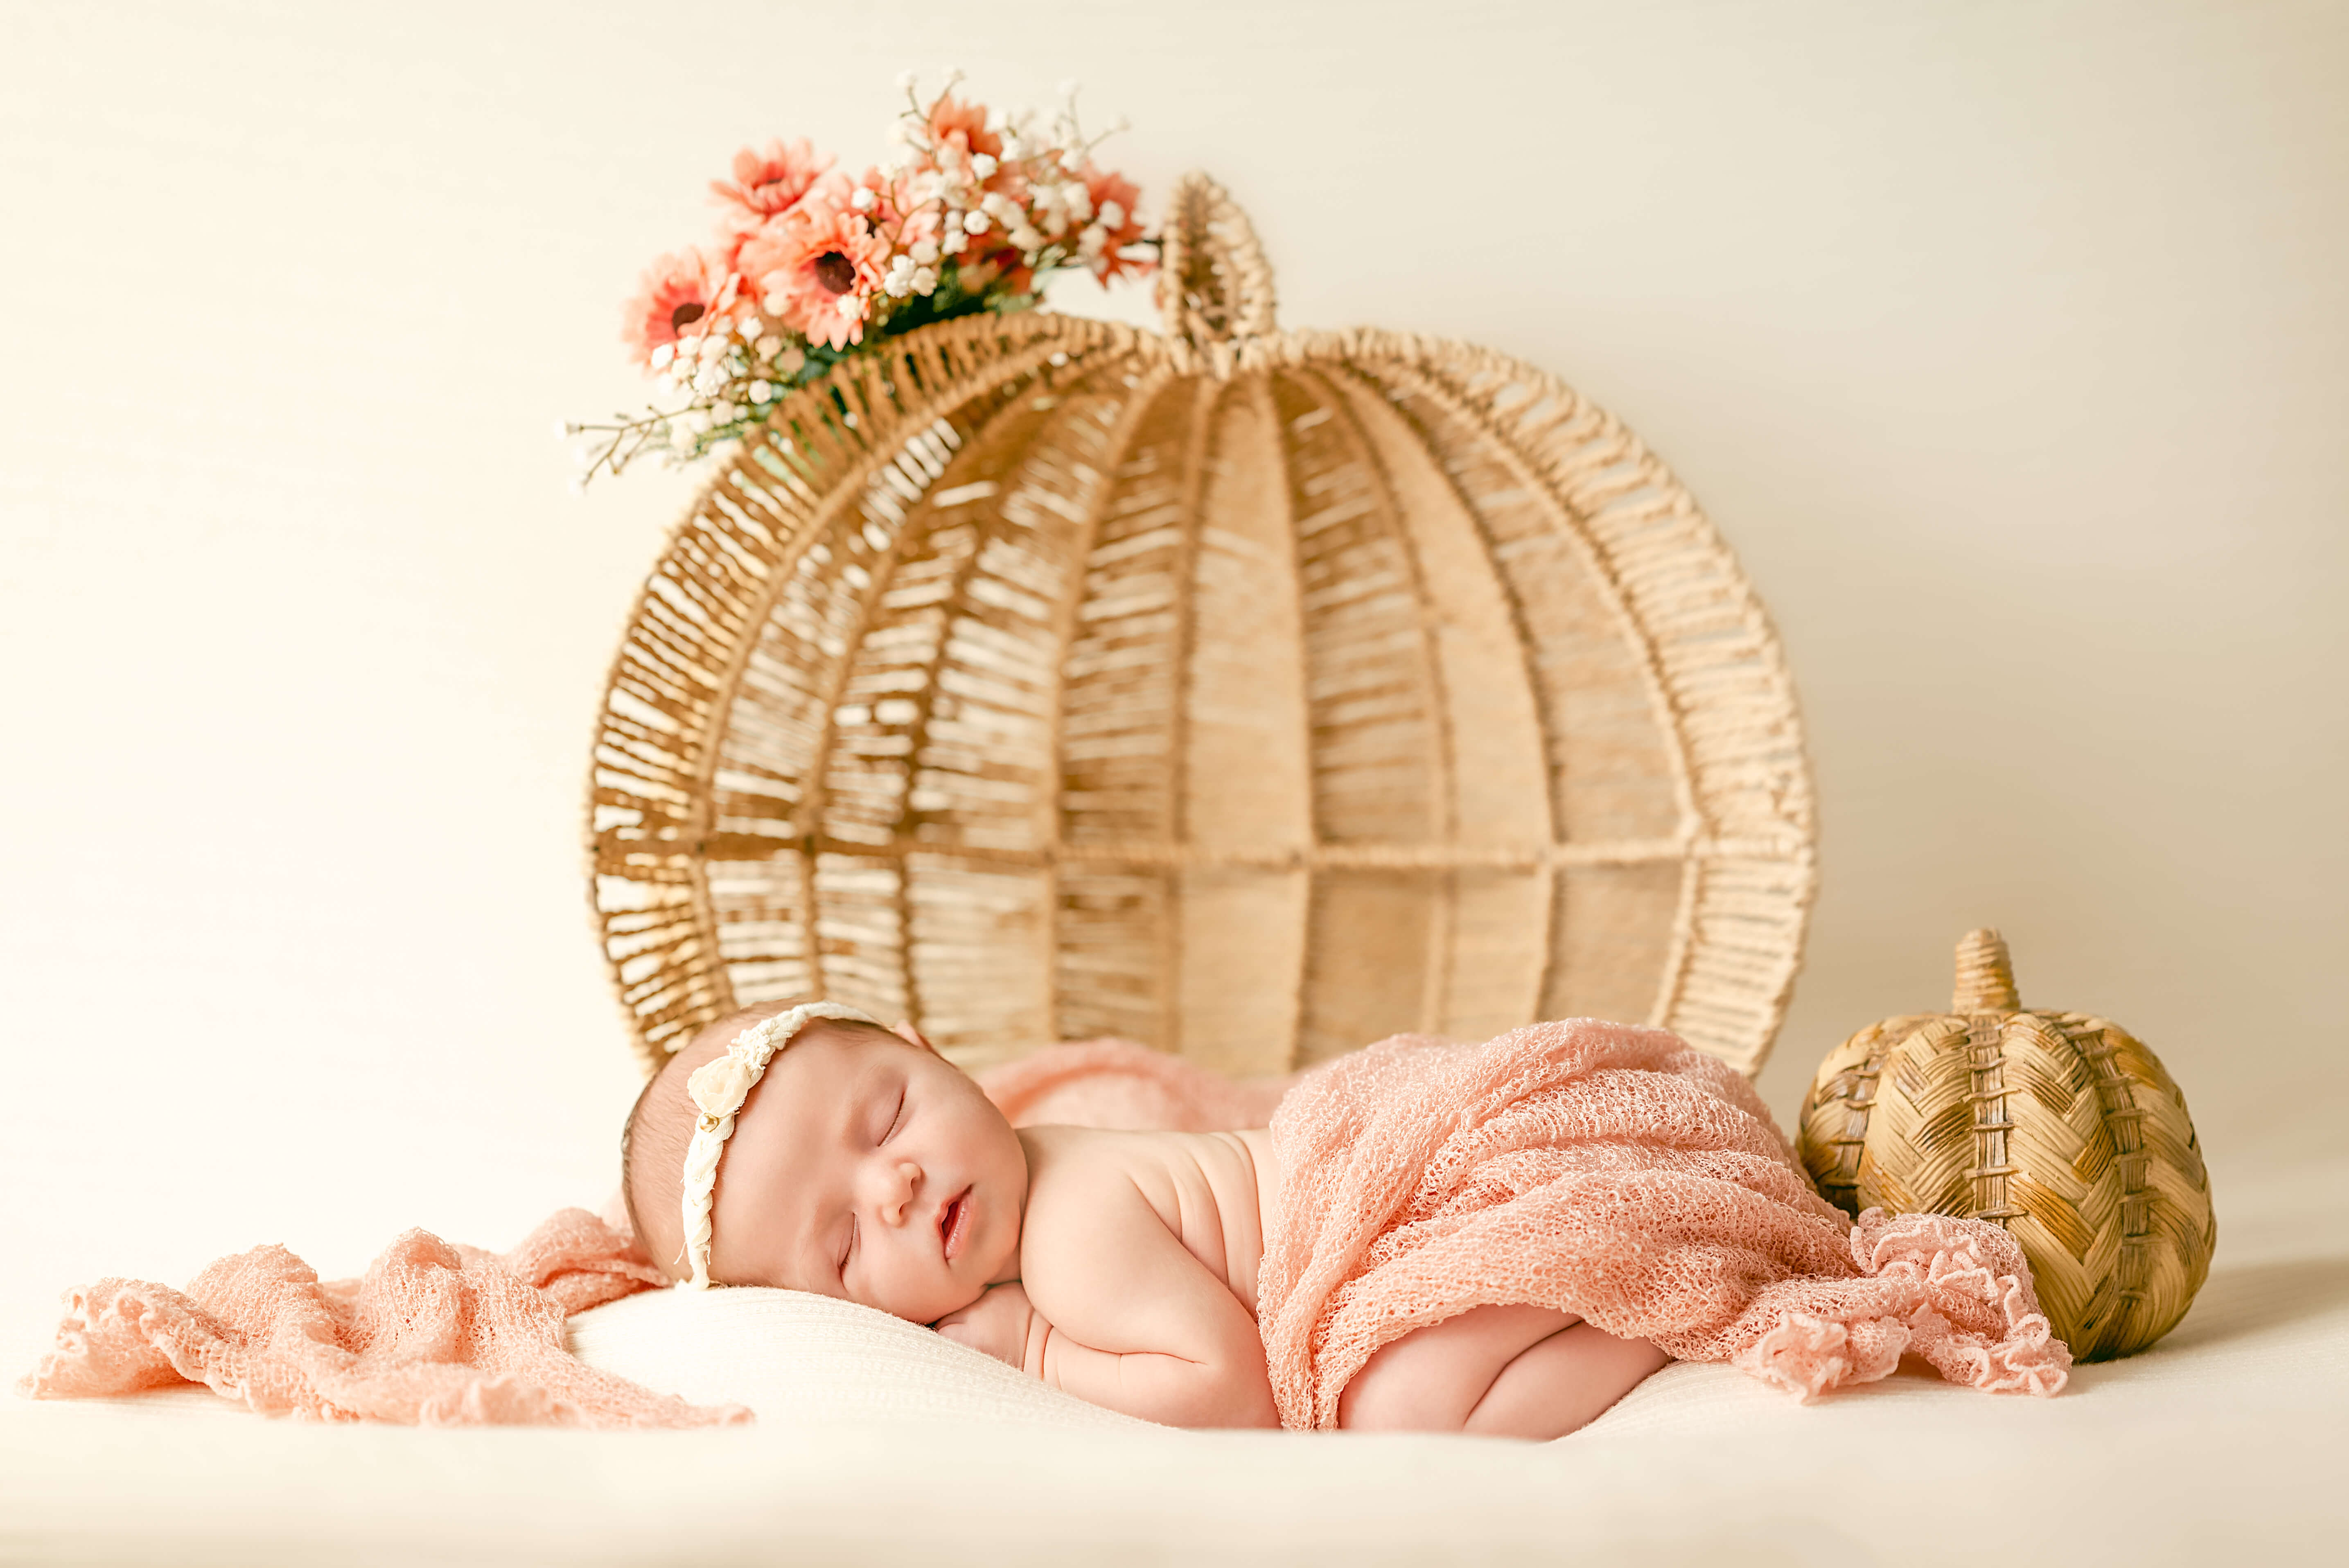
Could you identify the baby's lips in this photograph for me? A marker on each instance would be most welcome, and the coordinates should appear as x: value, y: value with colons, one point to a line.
x: 954, y: 1224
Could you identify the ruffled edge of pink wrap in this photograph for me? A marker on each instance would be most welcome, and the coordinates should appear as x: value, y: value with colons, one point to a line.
x: 1938, y: 1264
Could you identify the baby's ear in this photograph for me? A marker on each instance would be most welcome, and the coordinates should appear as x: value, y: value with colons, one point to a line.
x: 904, y: 1029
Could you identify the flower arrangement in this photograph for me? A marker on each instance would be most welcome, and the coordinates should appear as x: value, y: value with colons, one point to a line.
x: 809, y: 266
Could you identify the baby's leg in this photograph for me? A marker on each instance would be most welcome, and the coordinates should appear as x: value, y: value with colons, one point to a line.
x: 1502, y: 1371
x: 1562, y: 1384
x: 1430, y: 1380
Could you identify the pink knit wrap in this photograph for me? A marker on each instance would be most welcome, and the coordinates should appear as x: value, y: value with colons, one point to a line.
x: 433, y: 1335
x: 1620, y: 1174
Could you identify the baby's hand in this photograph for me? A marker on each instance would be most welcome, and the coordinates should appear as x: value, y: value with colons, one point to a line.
x: 995, y: 1324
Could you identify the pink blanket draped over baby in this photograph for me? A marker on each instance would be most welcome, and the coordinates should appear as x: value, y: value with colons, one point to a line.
x: 1619, y: 1174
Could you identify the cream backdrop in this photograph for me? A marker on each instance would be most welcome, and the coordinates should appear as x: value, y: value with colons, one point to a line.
x: 2006, y: 343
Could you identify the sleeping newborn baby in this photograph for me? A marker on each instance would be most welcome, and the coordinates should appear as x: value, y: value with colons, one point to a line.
x: 1122, y: 1267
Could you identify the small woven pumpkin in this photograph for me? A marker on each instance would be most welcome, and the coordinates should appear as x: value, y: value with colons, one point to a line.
x: 2060, y: 1127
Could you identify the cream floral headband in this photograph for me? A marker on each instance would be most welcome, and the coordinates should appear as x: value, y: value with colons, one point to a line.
x: 718, y: 1087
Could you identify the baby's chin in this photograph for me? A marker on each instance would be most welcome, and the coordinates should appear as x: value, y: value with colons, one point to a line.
x: 946, y: 1311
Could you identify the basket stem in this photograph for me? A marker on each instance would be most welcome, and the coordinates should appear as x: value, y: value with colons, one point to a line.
x: 1215, y: 287
x: 1985, y: 975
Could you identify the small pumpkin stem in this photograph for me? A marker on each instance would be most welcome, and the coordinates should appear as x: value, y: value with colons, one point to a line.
x: 1985, y: 975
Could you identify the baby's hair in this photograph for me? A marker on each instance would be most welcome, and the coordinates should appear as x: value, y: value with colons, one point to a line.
x: 653, y: 1140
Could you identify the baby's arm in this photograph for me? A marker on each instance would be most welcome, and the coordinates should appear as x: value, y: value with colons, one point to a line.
x: 1119, y: 1313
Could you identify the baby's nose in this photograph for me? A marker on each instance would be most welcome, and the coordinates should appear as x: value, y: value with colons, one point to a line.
x: 898, y: 1183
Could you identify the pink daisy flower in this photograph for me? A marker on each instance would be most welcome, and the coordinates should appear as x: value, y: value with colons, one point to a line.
x: 888, y: 203
x: 769, y: 182
x: 677, y: 294
x: 919, y: 227
x: 894, y: 214
x: 816, y: 267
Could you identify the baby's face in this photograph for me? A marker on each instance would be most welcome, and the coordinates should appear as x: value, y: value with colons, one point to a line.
x: 873, y: 1170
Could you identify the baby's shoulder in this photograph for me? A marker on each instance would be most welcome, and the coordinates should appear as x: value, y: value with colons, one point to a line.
x: 1106, y: 1208
x: 1082, y: 1166
x: 1193, y: 1181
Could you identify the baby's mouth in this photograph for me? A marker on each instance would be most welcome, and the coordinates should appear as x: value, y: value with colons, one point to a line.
x: 954, y: 1224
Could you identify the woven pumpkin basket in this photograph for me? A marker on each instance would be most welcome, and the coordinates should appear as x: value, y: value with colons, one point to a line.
x: 2060, y: 1127
x: 1250, y: 694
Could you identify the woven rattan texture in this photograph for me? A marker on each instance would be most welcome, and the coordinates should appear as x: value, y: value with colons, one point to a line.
x: 1249, y: 693
x: 2062, y: 1127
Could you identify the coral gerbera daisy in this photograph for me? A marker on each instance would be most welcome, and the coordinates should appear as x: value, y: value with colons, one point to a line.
x: 1114, y: 197
x: 962, y: 126
x: 816, y: 267
x: 769, y: 183
x: 679, y: 293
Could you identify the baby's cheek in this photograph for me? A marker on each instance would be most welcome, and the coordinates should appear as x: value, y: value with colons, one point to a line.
x: 917, y: 1293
